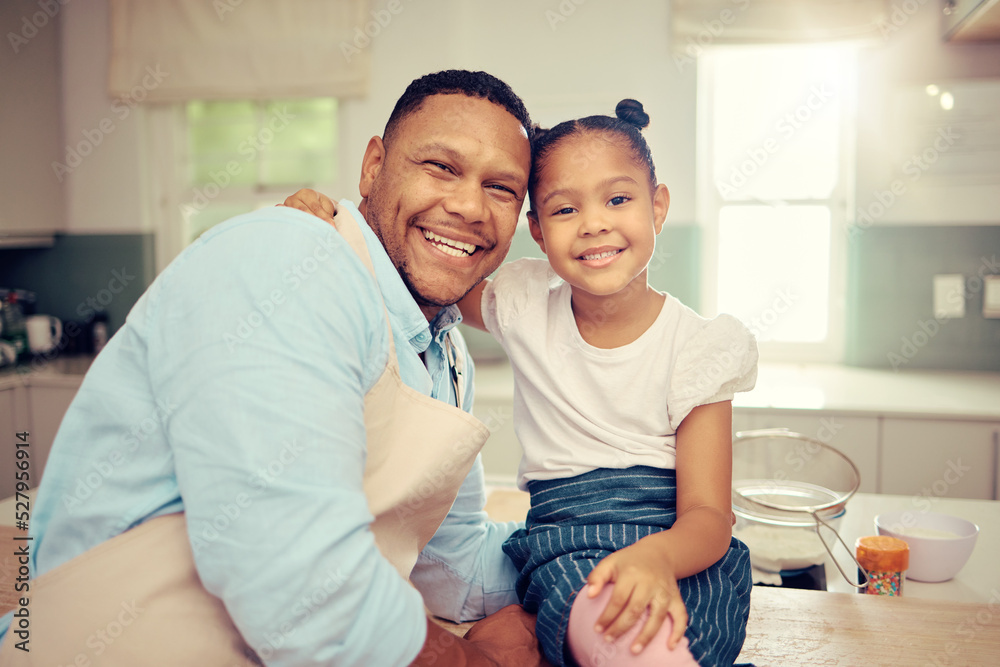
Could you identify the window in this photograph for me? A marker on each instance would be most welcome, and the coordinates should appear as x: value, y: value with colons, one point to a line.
x: 775, y: 127
x: 215, y: 160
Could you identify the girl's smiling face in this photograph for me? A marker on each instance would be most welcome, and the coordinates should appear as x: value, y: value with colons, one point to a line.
x: 596, y: 215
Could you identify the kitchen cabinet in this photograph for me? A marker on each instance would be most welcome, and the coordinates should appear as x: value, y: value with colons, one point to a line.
x: 856, y: 437
x: 30, y: 121
x: 938, y: 457
x: 13, y: 420
x: 35, y: 406
x: 47, y: 405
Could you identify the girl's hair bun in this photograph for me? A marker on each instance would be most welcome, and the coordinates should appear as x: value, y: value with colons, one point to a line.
x: 631, y: 112
x: 538, y: 132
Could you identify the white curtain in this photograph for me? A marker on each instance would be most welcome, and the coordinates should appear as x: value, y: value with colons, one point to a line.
x: 702, y: 23
x: 177, y: 50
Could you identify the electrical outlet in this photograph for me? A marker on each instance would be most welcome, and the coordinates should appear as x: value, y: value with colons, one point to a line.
x: 949, y: 296
x: 991, y: 296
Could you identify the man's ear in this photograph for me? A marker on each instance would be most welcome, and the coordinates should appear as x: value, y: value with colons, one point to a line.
x: 371, y: 164
x: 536, y: 229
x: 661, y: 202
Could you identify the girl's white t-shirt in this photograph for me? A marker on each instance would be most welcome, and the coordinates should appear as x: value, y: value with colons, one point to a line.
x: 578, y: 407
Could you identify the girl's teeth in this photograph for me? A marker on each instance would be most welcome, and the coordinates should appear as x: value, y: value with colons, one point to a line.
x: 601, y: 255
x: 450, y: 246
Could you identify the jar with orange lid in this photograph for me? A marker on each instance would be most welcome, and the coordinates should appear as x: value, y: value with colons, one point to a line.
x: 885, y: 560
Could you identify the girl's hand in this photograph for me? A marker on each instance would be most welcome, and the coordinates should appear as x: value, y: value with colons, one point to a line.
x: 643, y: 578
x: 313, y: 202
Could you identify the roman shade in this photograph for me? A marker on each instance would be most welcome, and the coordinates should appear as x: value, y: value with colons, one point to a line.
x: 701, y: 23
x: 178, y: 50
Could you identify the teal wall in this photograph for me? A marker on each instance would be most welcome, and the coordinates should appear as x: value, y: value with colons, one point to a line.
x: 890, y: 319
x: 890, y: 316
x: 83, y: 272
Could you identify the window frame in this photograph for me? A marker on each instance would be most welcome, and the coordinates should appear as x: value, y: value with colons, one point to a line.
x: 840, y: 204
x: 169, y: 189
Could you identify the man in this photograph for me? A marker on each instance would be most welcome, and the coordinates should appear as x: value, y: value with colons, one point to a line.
x: 236, y: 394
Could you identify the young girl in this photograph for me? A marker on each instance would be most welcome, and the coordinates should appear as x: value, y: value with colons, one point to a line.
x: 622, y: 404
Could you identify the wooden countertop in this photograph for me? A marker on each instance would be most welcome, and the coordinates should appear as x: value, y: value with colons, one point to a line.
x: 804, y: 628
x: 790, y: 627
x: 800, y: 628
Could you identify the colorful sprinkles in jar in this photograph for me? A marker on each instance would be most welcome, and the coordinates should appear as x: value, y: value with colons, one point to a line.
x: 885, y: 560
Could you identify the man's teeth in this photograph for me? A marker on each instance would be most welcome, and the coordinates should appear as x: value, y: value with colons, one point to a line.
x: 601, y: 255
x: 450, y: 246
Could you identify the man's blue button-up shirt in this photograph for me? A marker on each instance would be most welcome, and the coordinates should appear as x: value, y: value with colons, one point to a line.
x: 234, y: 393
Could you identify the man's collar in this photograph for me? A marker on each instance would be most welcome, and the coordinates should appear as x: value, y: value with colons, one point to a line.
x: 406, y: 315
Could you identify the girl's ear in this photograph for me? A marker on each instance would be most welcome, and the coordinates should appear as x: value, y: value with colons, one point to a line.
x: 371, y: 164
x: 661, y: 202
x: 536, y: 229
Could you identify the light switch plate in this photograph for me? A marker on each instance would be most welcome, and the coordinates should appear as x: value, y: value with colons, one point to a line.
x: 991, y: 296
x: 949, y: 296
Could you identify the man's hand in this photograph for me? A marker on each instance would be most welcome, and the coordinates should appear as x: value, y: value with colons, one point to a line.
x: 313, y: 202
x: 504, y: 639
x: 643, y: 578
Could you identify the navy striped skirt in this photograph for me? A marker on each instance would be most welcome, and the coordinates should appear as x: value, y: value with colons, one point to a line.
x: 574, y: 523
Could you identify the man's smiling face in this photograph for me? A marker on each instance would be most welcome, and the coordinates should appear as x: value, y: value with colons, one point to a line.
x: 443, y: 193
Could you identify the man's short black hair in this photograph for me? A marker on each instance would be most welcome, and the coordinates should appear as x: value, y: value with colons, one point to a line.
x: 458, y: 82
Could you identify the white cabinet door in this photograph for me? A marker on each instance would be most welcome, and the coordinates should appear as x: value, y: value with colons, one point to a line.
x: 30, y: 119
x: 935, y: 458
x: 856, y: 437
x: 13, y: 420
x: 47, y: 405
x: 996, y: 464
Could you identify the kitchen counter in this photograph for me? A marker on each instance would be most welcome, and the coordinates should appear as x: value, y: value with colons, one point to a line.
x: 816, y: 629
x: 949, y: 623
x: 836, y: 388
x: 978, y: 581
x: 57, y: 372
x: 867, y: 391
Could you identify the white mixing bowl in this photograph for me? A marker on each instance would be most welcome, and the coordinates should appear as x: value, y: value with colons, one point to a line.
x: 940, y: 544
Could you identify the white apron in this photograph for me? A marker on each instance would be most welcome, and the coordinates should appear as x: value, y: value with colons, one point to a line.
x: 419, y: 451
